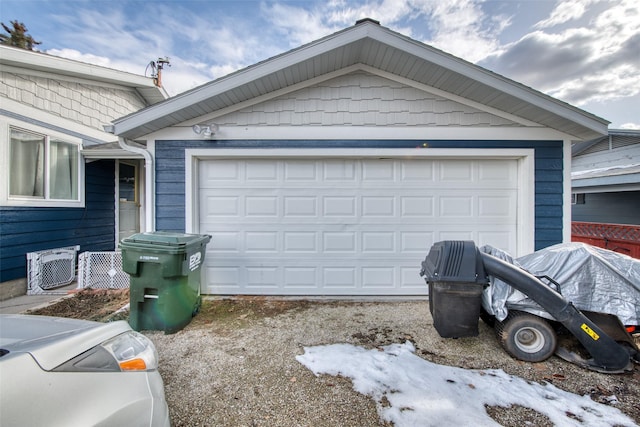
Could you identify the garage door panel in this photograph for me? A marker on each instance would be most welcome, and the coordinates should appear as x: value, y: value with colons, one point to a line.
x: 345, y: 226
x: 261, y: 171
x: 340, y: 206
x: 301, y: 170
x: 497, y: 172
x: 300, y: 278
x: 373, y: 205
x: 481, y: 174
x: 219, y: 172
x: 387, y: 239
x: 376, y: 171
x: 224, y: 242
x: 418, y: 172
x: 417, y: 206
x: 334, y: 278
x: 339, y: 171
x: 501, y: 207
x: 456, y: 171
x: 300, y: 241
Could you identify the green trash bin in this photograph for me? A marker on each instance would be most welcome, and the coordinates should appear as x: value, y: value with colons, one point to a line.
x: 164, y: 268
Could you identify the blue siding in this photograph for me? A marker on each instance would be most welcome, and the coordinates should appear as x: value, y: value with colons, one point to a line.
x: 29, y: 229
x: 170, y: 173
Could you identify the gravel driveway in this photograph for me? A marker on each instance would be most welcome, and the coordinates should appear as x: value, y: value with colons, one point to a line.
x: 235, y: 365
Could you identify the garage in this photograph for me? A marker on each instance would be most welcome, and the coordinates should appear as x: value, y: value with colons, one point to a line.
x: 331, y: 169
x: 343, y: 225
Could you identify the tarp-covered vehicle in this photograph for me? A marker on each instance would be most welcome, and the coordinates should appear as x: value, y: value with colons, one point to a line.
x: 592, y: 278
x: 590, y: 292
x: 602, y: 284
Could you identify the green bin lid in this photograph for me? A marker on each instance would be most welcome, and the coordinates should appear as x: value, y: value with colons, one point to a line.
x: 166, y: 238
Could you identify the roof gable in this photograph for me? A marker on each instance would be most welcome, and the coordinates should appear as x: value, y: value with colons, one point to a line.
x: 370, y: 45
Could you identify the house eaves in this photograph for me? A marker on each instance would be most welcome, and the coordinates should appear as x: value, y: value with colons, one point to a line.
x: 616, y: 137
x: 12, y: 59
x: 367, y: 43
x: 110, y: 150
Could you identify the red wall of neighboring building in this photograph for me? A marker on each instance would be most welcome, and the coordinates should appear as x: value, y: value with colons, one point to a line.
x: 624, y: 239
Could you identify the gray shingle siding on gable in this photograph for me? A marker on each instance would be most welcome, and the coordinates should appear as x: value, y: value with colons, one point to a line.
x: 84, y: 103
x: 170, y: 176
x: 30, y: 229
x: 361, y: 99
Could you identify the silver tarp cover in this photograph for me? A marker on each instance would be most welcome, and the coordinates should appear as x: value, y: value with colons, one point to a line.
x: 592, y: 278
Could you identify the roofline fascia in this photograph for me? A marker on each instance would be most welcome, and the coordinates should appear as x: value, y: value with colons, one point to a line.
x: 112, y: 153
x: 625, y: 132
x: 41, y: 61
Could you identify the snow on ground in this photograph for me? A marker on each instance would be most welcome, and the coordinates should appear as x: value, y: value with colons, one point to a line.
x: 411, y: 391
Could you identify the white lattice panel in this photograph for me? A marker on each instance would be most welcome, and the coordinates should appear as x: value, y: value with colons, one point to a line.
x: 50, y: 269
x: 101, y: 270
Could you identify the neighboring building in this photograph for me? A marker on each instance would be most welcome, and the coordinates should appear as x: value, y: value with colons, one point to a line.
x: 332, y: 168
x: 605, y: 179
x: 62, y: 175
x: 605, y: 182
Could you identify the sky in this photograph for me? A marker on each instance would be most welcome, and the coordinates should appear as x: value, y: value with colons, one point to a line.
x: 410, y: 391
x: 583, y: 52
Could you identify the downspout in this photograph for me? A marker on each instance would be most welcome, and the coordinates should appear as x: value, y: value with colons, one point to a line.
x: 149, y: 212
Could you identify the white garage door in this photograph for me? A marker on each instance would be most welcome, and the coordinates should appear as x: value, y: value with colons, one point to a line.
x: 345, y: 226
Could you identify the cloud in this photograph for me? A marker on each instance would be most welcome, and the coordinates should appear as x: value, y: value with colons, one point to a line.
x: 462, y: 28
x: 565, y: 11
x: 388, y: 12
x: 298, y: 25
x: 75, y: 55
x: 200, y: 49
x: 596, y: 60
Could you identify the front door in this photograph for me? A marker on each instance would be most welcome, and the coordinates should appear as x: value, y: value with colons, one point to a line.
x: 128, y: 200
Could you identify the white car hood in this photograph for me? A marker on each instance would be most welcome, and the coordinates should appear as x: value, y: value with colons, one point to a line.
x: 53, y: 340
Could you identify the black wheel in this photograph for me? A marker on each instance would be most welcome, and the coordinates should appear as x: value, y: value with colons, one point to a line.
x: 526, y: 337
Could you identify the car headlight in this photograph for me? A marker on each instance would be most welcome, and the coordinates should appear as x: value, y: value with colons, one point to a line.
x: 130, y: 351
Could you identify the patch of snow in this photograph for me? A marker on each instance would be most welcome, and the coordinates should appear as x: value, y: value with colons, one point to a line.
x: 411, y: 391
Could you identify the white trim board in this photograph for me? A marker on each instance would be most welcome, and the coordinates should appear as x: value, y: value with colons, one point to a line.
x: 417, y: 133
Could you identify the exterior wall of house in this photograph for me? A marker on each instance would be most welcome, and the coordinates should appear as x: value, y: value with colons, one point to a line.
x: 612, y: 208
x: 26, y: 230
x: 361, y: 99
x: 82, y: 102
x: 170, y: 176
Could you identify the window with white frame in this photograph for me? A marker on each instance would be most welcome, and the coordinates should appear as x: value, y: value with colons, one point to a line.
x: 42, y: 168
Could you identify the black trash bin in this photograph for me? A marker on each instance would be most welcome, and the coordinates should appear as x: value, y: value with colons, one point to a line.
x: 455, y: 308
x: 164, y: 269
x: 456, y: 278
